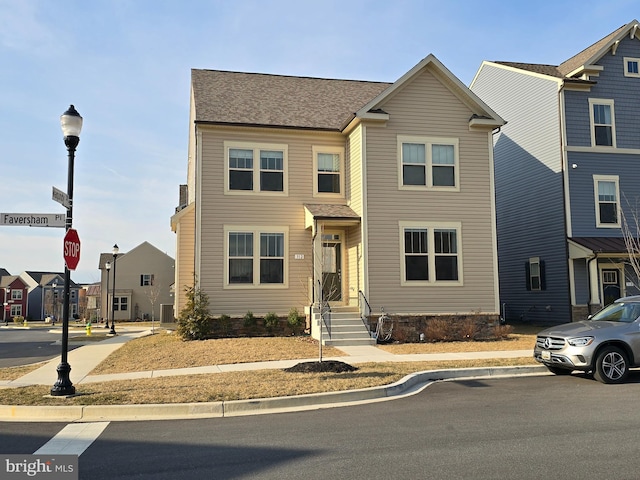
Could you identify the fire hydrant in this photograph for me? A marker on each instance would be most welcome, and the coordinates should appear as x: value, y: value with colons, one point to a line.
x: 24, y: 322
x: 88, y: 328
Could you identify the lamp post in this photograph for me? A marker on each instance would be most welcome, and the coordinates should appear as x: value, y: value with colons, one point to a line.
x: 55, y: 302
x: 5, y: 306
x: 71, y: 124
x: 113, y: 296
x: 107, y: 267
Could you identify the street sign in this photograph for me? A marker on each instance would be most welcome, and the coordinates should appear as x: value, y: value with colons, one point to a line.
x: 71, y: 249
x: 33, y: 219
x: 60, y: 197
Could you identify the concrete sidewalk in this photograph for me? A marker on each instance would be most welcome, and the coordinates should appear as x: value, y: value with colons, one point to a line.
x: 85, y: 358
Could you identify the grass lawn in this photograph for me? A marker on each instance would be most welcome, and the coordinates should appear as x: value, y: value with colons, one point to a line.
x: 165, y: 351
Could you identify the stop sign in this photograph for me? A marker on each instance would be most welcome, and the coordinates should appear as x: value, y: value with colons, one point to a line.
x: 71, y: 249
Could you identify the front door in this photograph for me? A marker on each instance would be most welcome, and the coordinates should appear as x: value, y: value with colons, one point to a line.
x: 331, y: 267
x: 611, y: 286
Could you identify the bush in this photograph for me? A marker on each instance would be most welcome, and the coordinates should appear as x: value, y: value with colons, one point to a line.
x: 295, y: 320
x: 194, y: 321
x: 18, y: 319
x: 224, y: 324
x: 271, y: 321
x: 249, y: 320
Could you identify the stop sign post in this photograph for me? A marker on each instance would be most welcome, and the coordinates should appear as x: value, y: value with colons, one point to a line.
x: 71, y: 249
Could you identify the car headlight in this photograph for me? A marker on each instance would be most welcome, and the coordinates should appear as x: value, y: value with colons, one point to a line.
x: 580, y: 341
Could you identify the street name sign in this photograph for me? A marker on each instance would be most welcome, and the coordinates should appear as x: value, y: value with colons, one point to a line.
x: 60, y: 197
x: 33, y: 219
x: 71, y: 249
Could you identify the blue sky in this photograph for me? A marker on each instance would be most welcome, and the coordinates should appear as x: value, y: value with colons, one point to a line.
x: 125, y: 65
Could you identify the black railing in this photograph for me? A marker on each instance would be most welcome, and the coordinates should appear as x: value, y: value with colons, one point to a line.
x: 365, y: 310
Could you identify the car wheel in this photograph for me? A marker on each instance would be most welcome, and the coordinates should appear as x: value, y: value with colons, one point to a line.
x: 559, y: 370
x: 611, y: 366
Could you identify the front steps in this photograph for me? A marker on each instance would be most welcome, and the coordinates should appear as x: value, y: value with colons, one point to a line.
x: 344, y: 327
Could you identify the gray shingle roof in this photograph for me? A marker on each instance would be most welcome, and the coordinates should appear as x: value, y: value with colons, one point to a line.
x: 332, y: 211
x: 236, y: 98
x: 568, y: 66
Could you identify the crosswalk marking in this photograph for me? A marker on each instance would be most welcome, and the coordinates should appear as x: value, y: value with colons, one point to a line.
x: 73, y: 439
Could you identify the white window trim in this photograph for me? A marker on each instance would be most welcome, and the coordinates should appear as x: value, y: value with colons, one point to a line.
x: 340, y: 151
x: 606, y: 178
x: 430, y: 227
x: 16, y: 310
x: 611, y: 266
x: 428, y: 142
x: 625, y: 61
x: 256, y: 230
x: 602, y: 101
x: 256, y: 147
x: 16, y: 294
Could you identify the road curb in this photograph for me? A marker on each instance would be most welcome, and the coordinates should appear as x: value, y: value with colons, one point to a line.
x: 408, y: 385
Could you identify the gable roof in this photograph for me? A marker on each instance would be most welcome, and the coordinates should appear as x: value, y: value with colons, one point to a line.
x: 234, y: 98
x: 7, y: 280
x: 254, y: 99
x: 482, y: 113
x: 576, y: 65
x: 44, y: 278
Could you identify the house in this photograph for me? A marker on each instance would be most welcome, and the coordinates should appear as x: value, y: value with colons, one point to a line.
x: 13, y: 295
x: 567, y: 175
x: 364, y: 195
x: 143, y: 277
x: 46, y: 295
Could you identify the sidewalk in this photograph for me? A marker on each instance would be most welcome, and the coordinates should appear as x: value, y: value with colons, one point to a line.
x: 85, y: 358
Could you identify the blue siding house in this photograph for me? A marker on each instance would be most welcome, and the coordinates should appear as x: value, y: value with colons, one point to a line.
x: 567, y: 176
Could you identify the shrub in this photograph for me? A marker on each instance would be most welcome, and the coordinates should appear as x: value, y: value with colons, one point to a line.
x: 194, y: 321
x: 249, y: 320
x: 468, y: 329
x: 224, y: 324
x: 295, y: 320
x: 271, y: 321
x: 438, y: 330
x: 18, y: 319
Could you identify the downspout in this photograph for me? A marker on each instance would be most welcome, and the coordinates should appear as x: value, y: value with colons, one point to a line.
x: 590, y: 301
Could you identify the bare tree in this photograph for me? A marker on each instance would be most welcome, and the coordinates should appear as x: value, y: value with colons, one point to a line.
x: 152, y: 293
x: 631, y: 233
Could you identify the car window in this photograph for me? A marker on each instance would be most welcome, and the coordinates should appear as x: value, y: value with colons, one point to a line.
x: 618, y: 312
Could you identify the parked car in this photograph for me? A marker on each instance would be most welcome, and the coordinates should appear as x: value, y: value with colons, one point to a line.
x: 607, y: 343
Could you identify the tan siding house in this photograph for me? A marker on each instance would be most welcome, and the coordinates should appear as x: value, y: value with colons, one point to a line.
x: 307, y: 191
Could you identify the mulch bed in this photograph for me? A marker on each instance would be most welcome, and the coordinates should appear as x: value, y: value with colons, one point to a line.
x: 328, y: 366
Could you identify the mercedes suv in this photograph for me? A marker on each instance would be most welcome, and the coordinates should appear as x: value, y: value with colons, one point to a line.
x: 607, y: 343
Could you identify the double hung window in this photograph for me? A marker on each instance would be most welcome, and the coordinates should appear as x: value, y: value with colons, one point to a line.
x: 328, y: 177
x: 431, y: 253
x: 255, y: 168
x: 256, y: 256
x: 431, y: 163
x: 603, y: 131
x: 607, y: 201
x: 16, y: 294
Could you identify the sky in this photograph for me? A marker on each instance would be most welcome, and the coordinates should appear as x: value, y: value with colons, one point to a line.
x: 126, y: 64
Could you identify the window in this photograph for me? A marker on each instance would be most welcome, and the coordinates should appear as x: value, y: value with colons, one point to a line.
x: 146, y: 280
x: 534, y: 274
x: 16, y: 294
x: 603, y: 132
x: 431, y: 253
x: 120, y: 304
x: 328, y: 171
x: 428, y: 163
x: 16, y: 310
x: 256, y: 256
x: 607, y: 201
x: 631, y: 67
x: 255, y: 168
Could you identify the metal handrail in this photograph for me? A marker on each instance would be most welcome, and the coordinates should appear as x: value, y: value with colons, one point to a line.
x: 364, y: 316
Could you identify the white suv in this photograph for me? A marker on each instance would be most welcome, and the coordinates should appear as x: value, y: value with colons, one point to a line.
x: 607, y: 344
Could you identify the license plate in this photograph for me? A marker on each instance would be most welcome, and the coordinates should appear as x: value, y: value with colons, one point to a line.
x: 546, y: 355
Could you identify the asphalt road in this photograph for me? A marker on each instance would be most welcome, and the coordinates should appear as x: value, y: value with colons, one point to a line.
x: 23, y: 347
x: 520, y: 428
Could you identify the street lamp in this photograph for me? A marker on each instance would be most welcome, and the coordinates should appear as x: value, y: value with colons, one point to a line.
x: 113, y: 296
x: 107, y: 266
x: 71, y: 124
x: 55, y: 302
x: 5, y: 306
